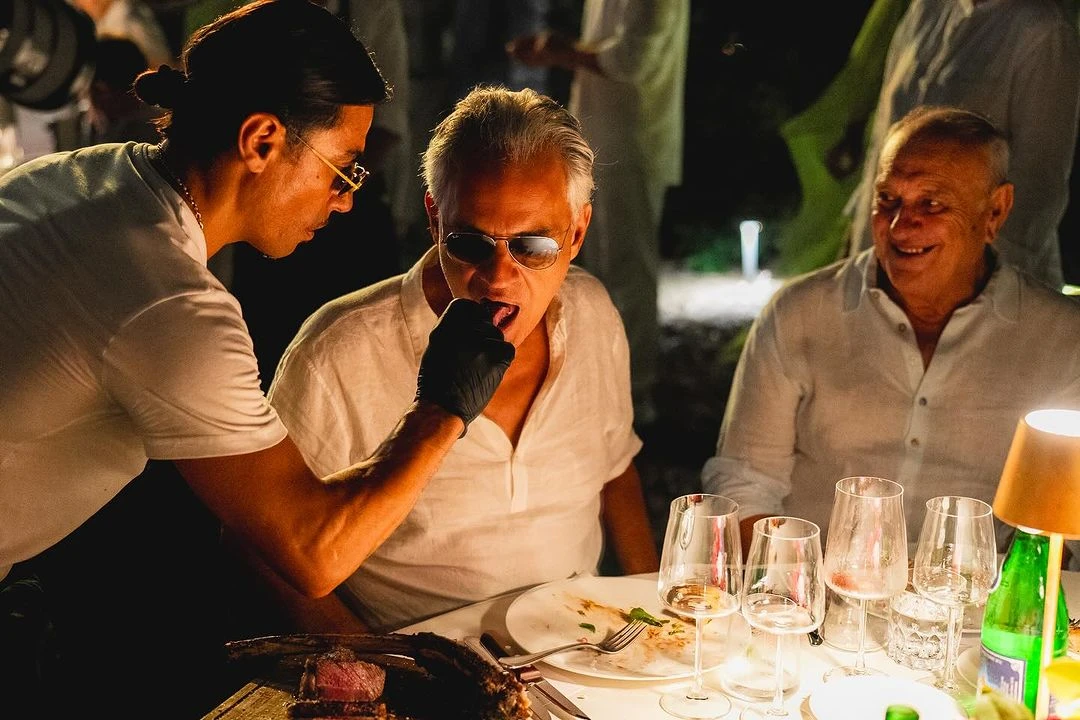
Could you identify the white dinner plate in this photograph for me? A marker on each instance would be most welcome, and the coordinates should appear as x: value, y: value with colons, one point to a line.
x: 863, y: 698
x: 553, y: 614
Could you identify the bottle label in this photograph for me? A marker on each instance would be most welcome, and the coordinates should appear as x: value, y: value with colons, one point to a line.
x: 1005, y: 674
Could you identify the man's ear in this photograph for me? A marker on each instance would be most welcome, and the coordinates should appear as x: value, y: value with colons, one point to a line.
x: 581, y: 225
x: 433, y: 217
x: 260, y: 137
x: 1001, y: 202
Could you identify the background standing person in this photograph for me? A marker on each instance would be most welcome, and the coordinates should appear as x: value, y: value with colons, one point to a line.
x: 1018, y: 63
x: 119, y: 344
x: 628, y: 87
x: 40, y: 132
x: 116, y: 114
x: 131, y: 19
x: 380, y: 25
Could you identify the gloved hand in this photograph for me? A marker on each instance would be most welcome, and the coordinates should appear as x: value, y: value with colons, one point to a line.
x: 465, y: 360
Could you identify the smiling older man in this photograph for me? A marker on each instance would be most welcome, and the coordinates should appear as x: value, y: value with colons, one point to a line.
x: 912, y: 360
x: 526, y: 495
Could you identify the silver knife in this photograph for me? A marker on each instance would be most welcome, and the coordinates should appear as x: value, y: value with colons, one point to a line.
x: 539, y: 706
x: 532, y: 678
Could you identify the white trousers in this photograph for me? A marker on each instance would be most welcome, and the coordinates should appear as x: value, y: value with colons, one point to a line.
x: 622, y: 249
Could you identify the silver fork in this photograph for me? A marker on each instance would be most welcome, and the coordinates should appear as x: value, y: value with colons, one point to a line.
x: 611, y: 644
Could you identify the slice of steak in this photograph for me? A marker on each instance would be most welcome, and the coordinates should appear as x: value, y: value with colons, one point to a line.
x: 340, y: 675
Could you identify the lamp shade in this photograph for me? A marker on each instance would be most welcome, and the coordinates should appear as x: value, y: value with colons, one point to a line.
x: 1040, y: 485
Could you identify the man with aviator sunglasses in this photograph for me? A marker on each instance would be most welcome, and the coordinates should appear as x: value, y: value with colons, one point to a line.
x: 546, y: 473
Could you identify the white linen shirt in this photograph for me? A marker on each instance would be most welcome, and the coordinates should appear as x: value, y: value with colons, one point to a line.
x: 495, y: 517
x: 1018, y: 63
x: 831, y: 384
x: 118, y: 344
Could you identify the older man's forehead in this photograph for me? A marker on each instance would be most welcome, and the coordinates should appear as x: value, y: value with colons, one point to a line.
x: 905, y: 156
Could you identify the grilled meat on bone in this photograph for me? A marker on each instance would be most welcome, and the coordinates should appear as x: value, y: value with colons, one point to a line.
x: 428, y: 676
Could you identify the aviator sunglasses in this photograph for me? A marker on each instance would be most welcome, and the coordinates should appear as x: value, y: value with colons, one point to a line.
x: 534, y: 252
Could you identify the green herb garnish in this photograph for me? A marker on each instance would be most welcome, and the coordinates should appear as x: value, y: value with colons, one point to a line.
x: 644, y: 616
x: 588, y: 626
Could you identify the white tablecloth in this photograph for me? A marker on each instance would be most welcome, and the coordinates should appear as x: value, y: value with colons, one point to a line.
x: 636, y: 700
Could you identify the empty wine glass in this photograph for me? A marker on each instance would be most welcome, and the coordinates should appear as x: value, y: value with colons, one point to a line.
x: 700, y: 578
x: 783, y: 591
x: 955, y: 564
x: 866, y: 553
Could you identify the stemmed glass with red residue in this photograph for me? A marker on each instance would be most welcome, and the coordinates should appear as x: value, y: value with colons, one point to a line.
x: 866, y: 556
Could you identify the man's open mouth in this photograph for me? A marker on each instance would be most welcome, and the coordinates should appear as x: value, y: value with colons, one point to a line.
x: 501, y: 313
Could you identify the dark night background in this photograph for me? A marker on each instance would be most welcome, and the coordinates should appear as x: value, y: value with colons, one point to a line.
x: 751, y: 66
x: 736, y: 164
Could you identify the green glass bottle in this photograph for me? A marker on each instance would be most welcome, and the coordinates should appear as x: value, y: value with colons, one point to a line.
x: 901, y: 712
x: 1012, y: 622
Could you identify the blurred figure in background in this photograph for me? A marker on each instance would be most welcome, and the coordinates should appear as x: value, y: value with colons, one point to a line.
x: 480, y: 30
x: 132, y: 19
x: 380, y: 25
x: 117, y: 114
x: 1017, y: 63
x: 39, y: 132
x: 629, y: 75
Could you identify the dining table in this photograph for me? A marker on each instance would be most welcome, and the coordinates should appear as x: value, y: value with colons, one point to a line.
x: 606, y: 698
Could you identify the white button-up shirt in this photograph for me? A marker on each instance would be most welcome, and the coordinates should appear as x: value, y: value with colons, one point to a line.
x: 831, y: 384
x: 495, y: 517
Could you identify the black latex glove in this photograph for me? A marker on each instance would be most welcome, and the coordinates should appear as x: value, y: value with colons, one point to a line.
x: 465, y: 360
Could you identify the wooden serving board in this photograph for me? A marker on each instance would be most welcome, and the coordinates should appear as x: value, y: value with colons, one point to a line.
x: 254, y: 701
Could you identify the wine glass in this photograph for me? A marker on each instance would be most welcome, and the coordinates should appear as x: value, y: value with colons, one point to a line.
x: 700, y: 578
x: 866, y: 553
x: 955, y: 564
x: 783, y: 591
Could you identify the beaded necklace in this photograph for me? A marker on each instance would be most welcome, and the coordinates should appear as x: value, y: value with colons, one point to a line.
x: 179, y: 185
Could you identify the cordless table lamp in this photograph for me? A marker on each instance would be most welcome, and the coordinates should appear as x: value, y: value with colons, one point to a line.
x: 1040, y: 493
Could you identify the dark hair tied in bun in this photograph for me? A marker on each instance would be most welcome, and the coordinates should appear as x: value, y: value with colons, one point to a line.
x: 164, y: 87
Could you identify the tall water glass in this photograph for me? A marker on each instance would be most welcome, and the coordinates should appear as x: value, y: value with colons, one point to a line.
x: 700, y: 578
x: 955, y: 564
x: 783, y: 591
x: 866, y: 553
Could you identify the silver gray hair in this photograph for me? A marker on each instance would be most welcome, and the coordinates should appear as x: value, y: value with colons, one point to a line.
x: 501, y: 125
x: 966, y: 128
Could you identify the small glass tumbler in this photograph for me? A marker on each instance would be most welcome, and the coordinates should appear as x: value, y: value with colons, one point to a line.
x: 918, y: 632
